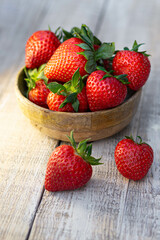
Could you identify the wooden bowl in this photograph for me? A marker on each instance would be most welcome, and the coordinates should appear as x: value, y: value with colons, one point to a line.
x: 93, y: 125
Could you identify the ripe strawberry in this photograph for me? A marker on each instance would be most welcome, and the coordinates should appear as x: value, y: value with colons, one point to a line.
x: 54, y: 101
x: 104, y: 90
x: 133, y: 159
x: 69, y: 167
x: 37, y: 90
x: 69, y: 97
x: 77, y: 52
x: 38, y: 95
x: 40, y: 47
x: 133, y: 63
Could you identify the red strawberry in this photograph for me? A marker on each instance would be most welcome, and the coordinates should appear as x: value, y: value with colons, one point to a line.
x: 69, y: 97
x: 69, y: 167
x: 65, y: 61
x: 40, y: 47
x: 76, y: 52
x: 39, y: 93
x: 54, y: 101
x: 37, y: 90
x: 104, y: 91
x: 133, y: 63
x: 133, y: 159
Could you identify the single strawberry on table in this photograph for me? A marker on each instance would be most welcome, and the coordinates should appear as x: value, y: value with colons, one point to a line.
x: 39, y: 48
x: 69, y: 167
x: 77, y: 52
x: 69, y: 97
x: 105, y: 90
x: 133, y: 159
x: 36, y: 83
x: 133, y: 63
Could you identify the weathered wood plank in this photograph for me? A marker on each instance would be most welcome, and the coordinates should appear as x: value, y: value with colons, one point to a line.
x: 110, y: 206
x: 24, y: 151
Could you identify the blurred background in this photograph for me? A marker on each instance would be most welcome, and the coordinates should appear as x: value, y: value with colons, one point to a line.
x: 112, y: 20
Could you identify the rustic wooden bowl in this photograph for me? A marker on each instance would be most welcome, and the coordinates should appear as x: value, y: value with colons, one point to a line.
x: 93, y: 125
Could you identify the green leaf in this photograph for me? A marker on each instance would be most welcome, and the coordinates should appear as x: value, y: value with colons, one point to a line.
x: 71, y: 139
x: 90, y: 66
x: 42, y: 67
x: 122, y: 78
x: 126, y: 48
x: 135, y: 44
x: 84, y: 151
x: 32, y: 72
x: 140, y: 140
x: 96, y: 41
x: 82, y: 147
x: 69, y: 99
x: 42, y: 76
x: 89, y: 150
x: 75, y: 30
x: 93, y: 161
x: 75, y: 78
x: 67, y: 35
x: 84, y: 46
x: 56, y: 87
x: 108, y: 75
x: 26, y: 72
x: 83, y: 35
x: 130, y: 137
x: 75, y: 105
x: 59, y: 33
x: 101, y: 68
x: 106, y: 50
x: 87, y: 54
x: 88, y: 33
x: 49, y: 28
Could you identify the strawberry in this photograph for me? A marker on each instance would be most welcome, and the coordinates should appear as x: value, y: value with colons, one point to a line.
x: 133, y: 63
x: 37, y: 90
x: 133, y: 159
x: 105, y: 90
x: 39, y: 48
x: 69, y: 167
x: 77, y: 52
x: 69, y: 97
x: 38, y: 95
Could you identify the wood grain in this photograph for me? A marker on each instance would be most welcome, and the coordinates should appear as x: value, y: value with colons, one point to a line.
x: 110, y: 206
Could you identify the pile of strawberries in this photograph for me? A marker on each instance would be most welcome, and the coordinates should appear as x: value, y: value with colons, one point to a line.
x: 75, y: 72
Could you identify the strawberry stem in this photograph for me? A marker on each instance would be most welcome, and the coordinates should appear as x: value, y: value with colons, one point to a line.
x: 135, y: 48
x: 122, y: 78
x: 70, y: 90
x: 33, y: 75
x: 84, y: 150
x: 139, y: 140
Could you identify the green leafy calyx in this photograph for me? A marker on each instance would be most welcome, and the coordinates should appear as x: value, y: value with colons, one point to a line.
x: 122, y: 78
x: 139, y: 140
x: 104, y: 51
x: 70, y: 90
x: 135, y: 48
x: 33, y: 75
x: 84, y: 150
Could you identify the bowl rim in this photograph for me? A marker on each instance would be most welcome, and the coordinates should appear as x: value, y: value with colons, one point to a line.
x: 27, y: 101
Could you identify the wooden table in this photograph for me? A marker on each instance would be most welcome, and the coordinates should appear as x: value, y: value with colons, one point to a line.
x: 109, y: 206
